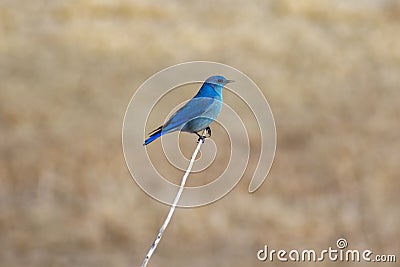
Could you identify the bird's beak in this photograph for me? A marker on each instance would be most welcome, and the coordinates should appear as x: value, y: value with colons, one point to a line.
x: 230, y: 81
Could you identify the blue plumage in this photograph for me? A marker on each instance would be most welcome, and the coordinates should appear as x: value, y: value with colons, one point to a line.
x: 198, y: 113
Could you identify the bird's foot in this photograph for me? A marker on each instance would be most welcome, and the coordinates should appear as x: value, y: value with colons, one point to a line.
x: 207, y: 134
x: 202, y: 138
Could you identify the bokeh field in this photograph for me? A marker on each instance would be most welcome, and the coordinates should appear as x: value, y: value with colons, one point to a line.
x: 329, y: 69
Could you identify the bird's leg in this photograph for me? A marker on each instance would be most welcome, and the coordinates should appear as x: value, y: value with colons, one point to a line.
x: 208, y: 131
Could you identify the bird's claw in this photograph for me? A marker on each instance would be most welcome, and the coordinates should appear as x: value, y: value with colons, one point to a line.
x: 208, y: 131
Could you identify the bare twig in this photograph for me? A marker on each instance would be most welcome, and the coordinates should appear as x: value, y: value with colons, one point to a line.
x: 172, y: 209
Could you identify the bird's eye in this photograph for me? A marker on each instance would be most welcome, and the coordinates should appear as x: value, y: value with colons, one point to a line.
x: 220, y: 80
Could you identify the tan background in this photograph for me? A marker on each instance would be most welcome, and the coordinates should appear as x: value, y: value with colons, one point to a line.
x: 330, y: 70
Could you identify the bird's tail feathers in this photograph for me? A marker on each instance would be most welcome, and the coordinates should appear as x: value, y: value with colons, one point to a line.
x: 155, y: 130
x: 153, y: 135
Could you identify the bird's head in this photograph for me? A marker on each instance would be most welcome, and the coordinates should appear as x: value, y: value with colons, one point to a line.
x: 218, y: 80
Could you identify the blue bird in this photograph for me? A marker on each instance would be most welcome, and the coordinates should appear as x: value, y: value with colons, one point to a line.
x: 198, y: 113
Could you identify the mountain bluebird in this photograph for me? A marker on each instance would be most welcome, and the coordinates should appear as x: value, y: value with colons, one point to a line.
x: 198, y: 113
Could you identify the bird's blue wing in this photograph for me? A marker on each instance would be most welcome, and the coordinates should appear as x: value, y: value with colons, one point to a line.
x: 196, y: 107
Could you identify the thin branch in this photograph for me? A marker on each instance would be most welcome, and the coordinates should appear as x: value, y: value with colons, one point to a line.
x: 172, y: 209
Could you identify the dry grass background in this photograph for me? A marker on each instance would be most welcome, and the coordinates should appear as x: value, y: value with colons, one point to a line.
x: 330, y: 70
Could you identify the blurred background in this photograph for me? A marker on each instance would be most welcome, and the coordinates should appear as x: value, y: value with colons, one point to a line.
x: 329, y: 69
